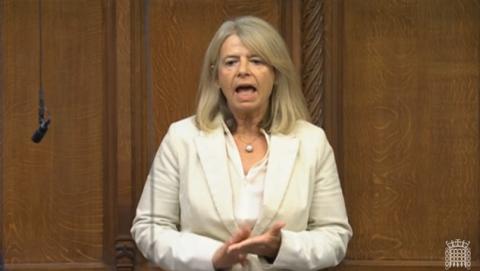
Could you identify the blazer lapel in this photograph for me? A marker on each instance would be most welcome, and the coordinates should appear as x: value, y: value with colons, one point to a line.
x: 283, y: 151
x: 213, y: 158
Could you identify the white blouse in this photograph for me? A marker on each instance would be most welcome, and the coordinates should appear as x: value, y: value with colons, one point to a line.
x: 248, y: 204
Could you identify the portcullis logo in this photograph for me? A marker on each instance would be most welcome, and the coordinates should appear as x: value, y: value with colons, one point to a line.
x: 457, y: 254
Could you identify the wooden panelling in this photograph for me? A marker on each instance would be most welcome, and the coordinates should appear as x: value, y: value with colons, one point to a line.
x: 411, y: 127
x: 395, y: 84
x: 2, y: 86
x: 140, y: 75
x: 291, y: 30
x: 123, y: 192
x: 53, y: 192
x: 333, y: 19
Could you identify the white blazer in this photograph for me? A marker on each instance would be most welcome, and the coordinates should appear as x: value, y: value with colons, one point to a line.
x: 186, y: 210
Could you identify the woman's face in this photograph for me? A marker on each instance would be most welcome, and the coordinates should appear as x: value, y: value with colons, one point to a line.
x: 244, y: 78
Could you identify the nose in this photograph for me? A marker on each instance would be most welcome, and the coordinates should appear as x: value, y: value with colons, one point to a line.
x: 243, y: 68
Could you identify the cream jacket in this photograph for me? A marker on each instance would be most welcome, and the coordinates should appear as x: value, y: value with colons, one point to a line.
x: 186, y: 210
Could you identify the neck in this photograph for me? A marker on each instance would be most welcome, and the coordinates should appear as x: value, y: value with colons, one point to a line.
x: 247, y: 125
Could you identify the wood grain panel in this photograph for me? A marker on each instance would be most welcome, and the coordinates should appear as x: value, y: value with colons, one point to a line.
x: 2, y: 87
x: 123, y: 192
x: 333, y: 47
x: 399, y: 100
x: 411, y: 127
x: 53, y: 192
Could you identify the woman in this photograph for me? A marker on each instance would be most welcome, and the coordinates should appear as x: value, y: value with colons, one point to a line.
x: 247, y: 183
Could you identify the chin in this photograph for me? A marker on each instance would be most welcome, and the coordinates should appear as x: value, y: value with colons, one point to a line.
x: 246, y: 107
x: 247, y: 110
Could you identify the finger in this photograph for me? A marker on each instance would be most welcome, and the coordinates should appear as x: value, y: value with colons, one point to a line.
x: 237, y: 236
x: 277, y: 228
x: 245, y: 245
x: 240, y: 235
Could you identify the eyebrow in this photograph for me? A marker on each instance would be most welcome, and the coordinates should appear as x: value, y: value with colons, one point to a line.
x: 237, y: 56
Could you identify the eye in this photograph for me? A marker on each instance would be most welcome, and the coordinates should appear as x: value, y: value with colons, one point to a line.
x: 230, y: 62
x: 257, y: 61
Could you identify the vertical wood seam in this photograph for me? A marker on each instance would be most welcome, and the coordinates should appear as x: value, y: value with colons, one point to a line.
x: 334, y: 79
x: 124, y: 245
x: 290, y: 20
x: 138, y: 105
x: 110, y: 137
x: 2, y: 106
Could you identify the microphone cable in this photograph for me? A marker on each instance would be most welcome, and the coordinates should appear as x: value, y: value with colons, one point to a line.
x: 43, y: 116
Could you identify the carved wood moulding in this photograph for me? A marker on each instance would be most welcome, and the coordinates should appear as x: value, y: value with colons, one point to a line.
x: 124, y: 254
x: 313, y: 57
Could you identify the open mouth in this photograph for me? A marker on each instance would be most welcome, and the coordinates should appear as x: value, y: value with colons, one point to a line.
x: 245, y: 88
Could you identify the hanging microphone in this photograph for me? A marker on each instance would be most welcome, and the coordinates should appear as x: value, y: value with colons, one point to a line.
x: 43, y: 116
x: 41, y: 131
x: 43, y: 119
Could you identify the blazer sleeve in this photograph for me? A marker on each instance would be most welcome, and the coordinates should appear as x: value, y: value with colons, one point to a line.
x: 156, y: 225
x: 324, y: 243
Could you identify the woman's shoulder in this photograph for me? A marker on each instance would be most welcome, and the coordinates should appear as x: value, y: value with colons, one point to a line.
x: 183, y: 127
x: 188, y: 122
x: 307, y: 129
x: 311, y: 137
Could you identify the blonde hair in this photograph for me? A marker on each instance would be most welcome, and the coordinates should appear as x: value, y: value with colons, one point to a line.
x: 287, y: 104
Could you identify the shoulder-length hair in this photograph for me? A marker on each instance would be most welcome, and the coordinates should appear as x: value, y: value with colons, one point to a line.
x: 287, y: 103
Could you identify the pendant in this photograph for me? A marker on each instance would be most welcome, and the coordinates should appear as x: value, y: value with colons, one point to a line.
x: 249, y: 148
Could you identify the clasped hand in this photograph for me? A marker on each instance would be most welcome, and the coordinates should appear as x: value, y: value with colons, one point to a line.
x: 235, y: 250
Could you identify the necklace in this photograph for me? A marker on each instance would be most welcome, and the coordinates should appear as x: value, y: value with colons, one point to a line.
x: 248, y: 145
